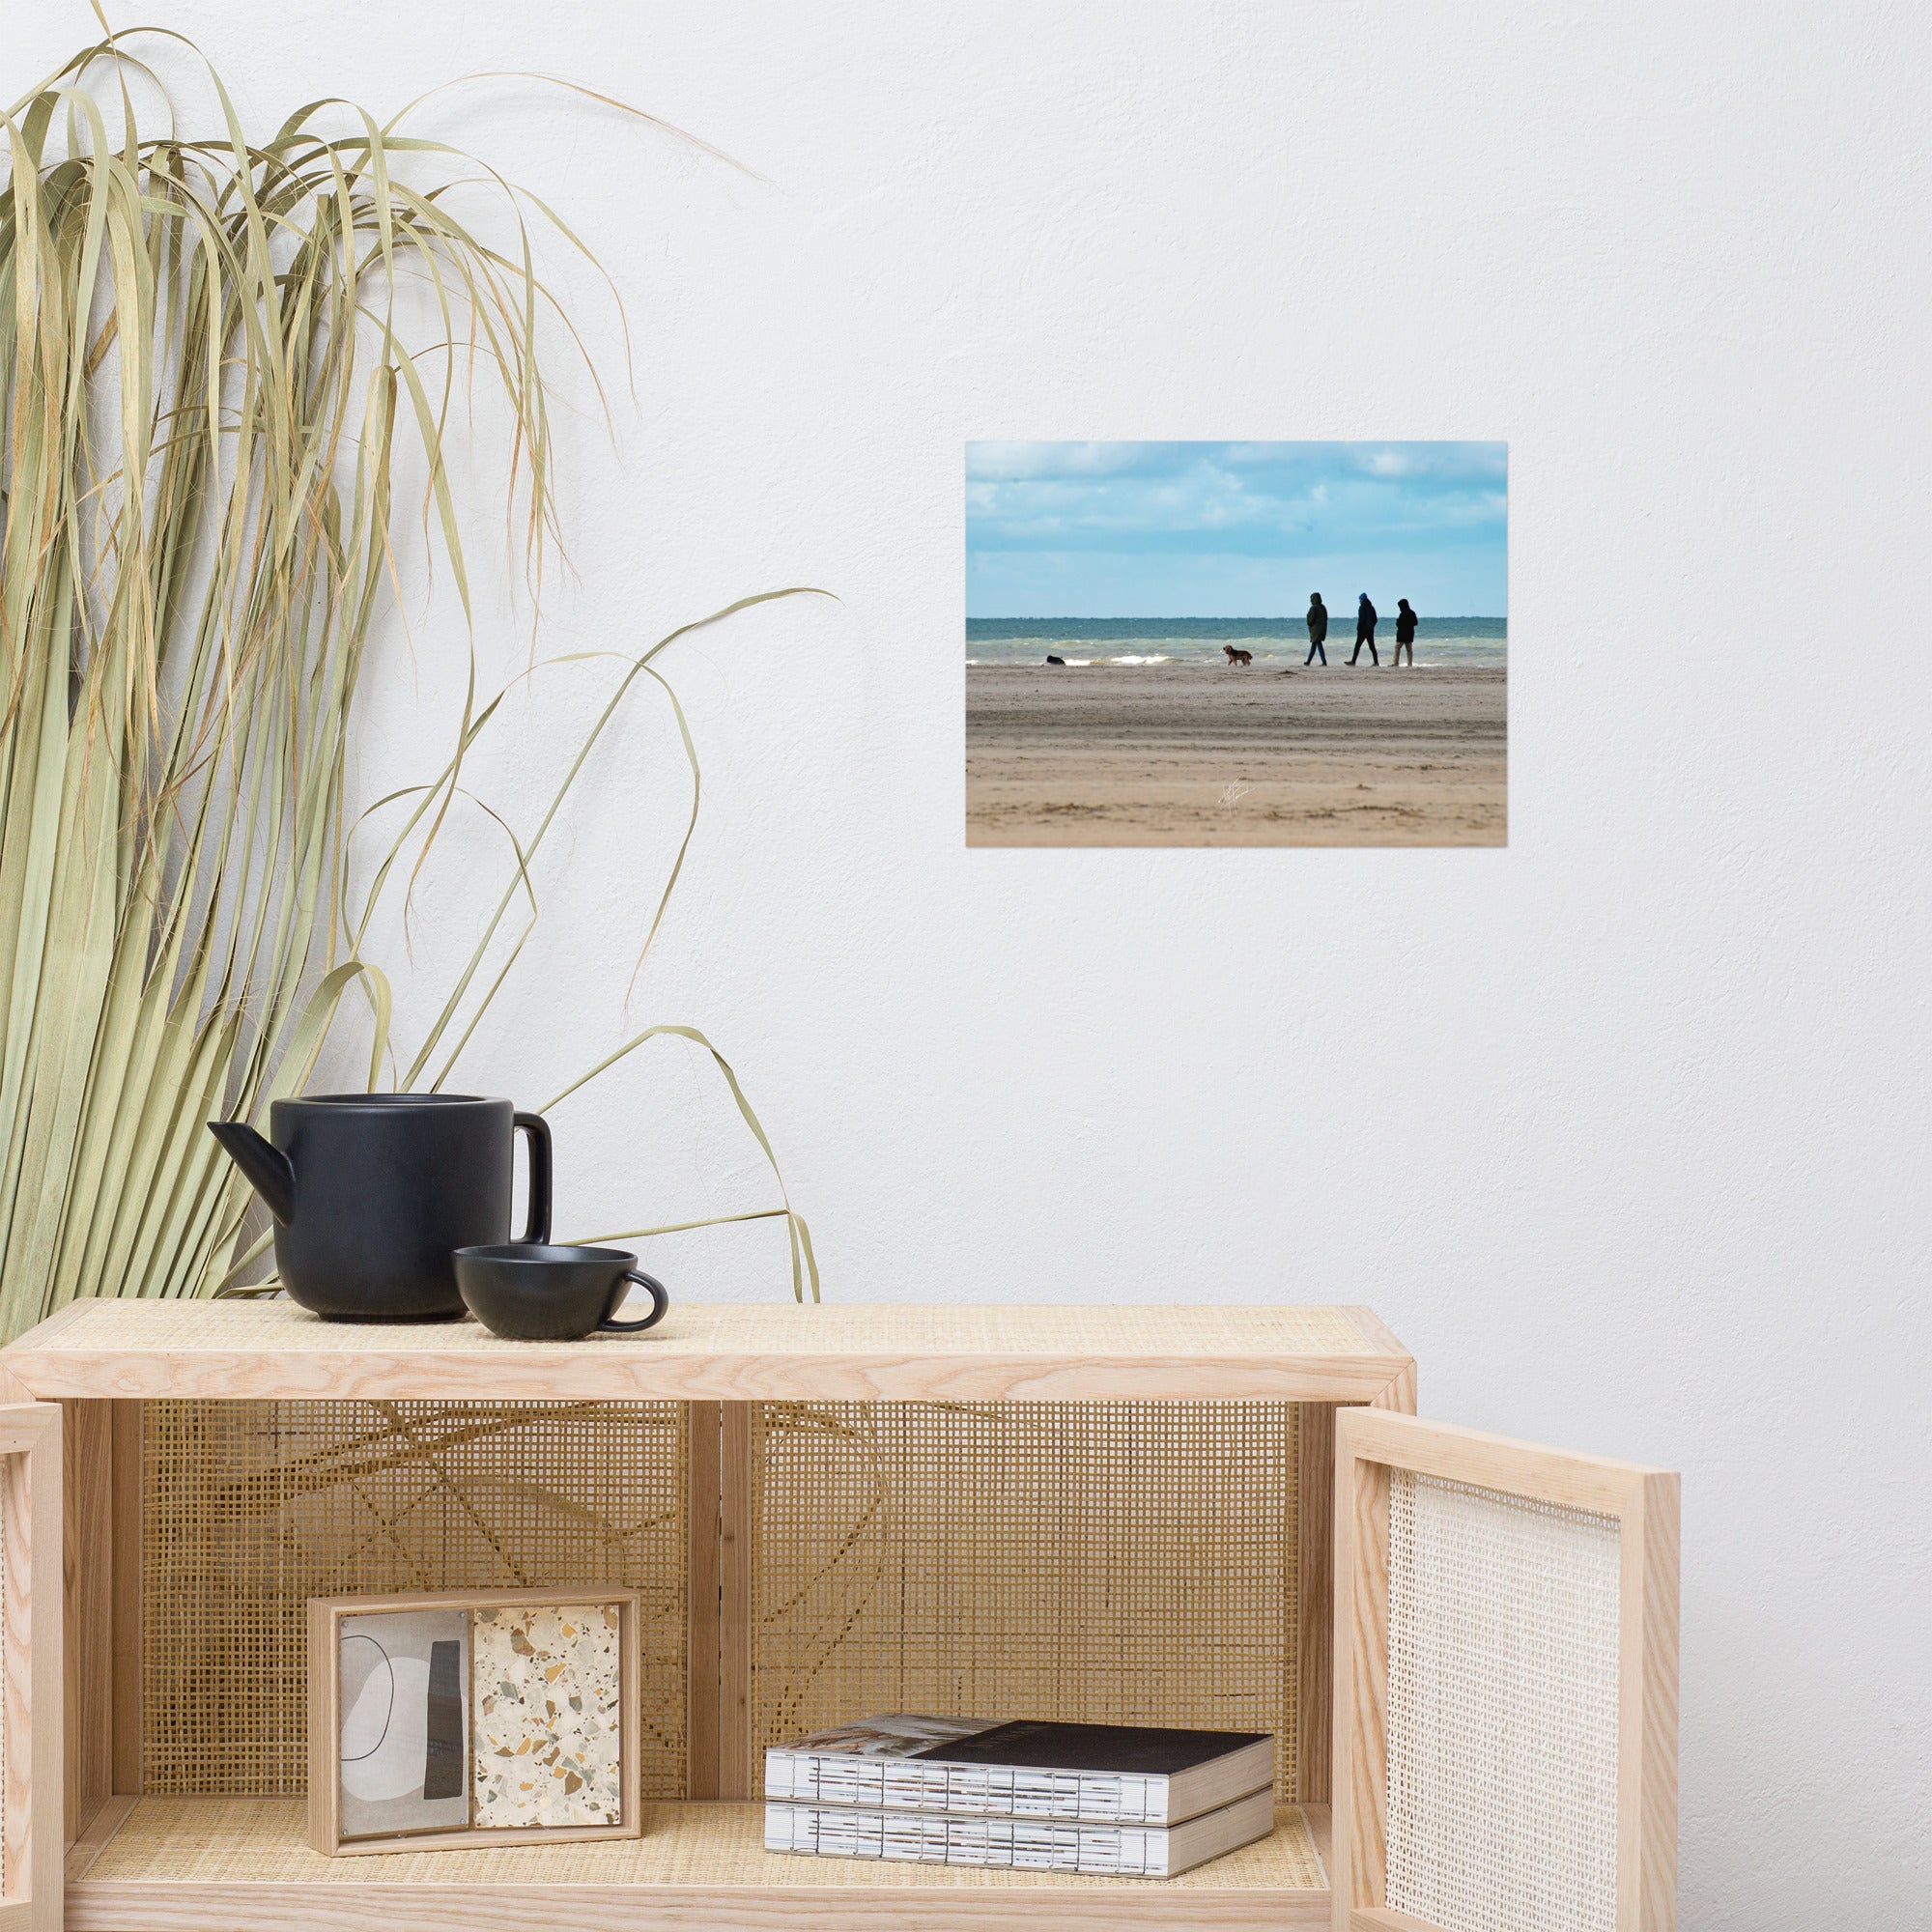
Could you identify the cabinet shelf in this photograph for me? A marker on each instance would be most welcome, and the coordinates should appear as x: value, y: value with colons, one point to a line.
x: 726, y: 1353
x: 239, y: 1864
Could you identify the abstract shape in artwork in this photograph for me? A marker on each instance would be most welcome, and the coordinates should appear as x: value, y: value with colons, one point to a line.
x: 403, y: 1749
x: 442, y: 1747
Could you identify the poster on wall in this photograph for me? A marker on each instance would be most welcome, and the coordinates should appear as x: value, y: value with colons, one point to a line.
x: 1237, y: 643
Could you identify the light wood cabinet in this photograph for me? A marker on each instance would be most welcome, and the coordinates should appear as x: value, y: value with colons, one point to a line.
x: 1133, y: 1511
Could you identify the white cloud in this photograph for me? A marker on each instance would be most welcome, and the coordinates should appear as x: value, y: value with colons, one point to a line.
x: 1001, y: 460
x: 1225, y: 500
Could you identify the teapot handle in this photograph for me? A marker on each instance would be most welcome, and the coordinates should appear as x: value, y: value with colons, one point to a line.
x: 537, y: 1228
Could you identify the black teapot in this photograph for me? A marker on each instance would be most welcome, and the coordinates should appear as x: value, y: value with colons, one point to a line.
x: 373, y: 1192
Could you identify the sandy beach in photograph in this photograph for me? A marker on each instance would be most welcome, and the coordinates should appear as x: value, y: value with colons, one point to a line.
x: 1202, y: 754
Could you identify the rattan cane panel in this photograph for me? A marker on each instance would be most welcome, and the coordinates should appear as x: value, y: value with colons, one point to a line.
x: 211, y: 1842
x: 250, y: 1508
x: 1108, y: 1562
x: 1502, y: 1710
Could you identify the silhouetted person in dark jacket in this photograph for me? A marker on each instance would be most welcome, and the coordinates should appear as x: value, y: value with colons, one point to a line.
x: 1317, y: 629
x: 1365, y: 630
x: 1404, y: 634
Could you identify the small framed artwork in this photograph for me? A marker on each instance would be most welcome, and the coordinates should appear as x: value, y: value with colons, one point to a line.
x: 479, y: 1717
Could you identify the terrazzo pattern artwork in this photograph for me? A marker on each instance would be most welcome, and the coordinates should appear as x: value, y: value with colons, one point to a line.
x: 547, y: 1723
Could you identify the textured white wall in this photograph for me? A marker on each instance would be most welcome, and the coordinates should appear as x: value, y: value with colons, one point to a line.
x: 1624, y: 1128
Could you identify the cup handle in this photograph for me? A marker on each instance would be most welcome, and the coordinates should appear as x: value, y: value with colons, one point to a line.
x: 660, y: 1301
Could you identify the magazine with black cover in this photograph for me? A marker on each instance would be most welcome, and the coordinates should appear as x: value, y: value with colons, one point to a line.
x: 1126, y: 1773
x: 1021, y: 1844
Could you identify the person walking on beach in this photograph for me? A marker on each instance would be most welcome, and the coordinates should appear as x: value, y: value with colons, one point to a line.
x: 1365, y: 630
x: 1318, y: 630
x: 1404, y: 634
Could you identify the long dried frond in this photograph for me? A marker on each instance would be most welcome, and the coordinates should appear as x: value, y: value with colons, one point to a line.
x: 211, y: 370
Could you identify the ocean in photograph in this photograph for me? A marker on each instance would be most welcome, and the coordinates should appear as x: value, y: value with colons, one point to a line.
x: 1139, y: 640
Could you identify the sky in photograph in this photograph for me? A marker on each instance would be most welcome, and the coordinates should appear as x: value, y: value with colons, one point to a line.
x: 1234, y: 530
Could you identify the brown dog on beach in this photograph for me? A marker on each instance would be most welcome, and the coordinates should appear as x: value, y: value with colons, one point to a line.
x: 1236, y: 656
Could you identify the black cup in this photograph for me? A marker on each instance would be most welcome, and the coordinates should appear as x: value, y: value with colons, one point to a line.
x: 527, y: 1291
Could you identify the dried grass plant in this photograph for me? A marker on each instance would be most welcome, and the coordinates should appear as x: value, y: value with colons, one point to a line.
x: 211, y: 382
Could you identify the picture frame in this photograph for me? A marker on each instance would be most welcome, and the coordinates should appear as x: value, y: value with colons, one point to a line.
x: 435, y: 1723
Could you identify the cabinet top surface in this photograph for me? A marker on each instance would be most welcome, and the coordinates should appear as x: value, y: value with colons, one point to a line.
x: 730, y: 1351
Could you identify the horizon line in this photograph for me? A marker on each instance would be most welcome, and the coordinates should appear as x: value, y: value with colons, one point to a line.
x: 1144, y: 618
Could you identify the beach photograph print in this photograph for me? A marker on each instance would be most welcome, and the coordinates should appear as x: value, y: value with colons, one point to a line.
x: 1237, y: 643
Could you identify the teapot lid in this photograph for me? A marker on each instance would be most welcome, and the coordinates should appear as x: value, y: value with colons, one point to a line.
x: 389, y: 1100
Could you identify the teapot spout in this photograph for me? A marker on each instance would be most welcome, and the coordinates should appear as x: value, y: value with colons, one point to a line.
x: 266, y: 1166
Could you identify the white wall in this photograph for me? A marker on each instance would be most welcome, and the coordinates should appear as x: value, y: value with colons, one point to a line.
x: 1624, y: 1130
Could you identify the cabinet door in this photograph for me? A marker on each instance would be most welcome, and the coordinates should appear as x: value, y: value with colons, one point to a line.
x: 30, y: 1667
x: 1505, y: 1684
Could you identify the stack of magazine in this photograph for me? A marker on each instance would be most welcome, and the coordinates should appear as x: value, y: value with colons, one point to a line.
x: 1104, y: 1799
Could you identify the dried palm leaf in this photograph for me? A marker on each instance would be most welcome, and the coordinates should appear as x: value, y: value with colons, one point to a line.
x: 208, y: 380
